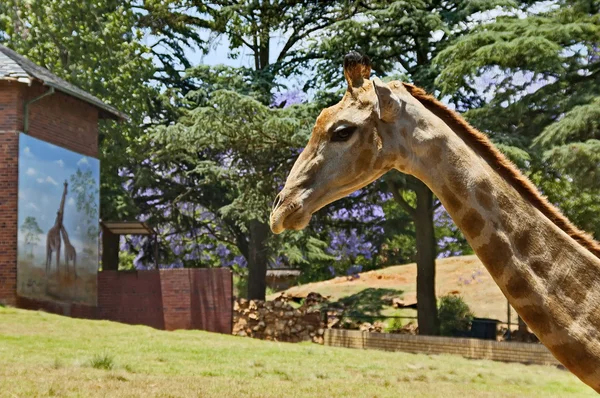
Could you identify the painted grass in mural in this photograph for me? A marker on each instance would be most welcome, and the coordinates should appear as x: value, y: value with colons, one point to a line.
x: 58, y: 223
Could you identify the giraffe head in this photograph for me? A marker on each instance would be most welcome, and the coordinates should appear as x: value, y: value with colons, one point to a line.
x: 352, y: 144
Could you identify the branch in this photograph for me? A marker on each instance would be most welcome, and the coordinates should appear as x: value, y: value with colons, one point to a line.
x: 398, y: 197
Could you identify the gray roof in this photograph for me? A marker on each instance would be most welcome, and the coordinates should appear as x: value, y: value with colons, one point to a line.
x: 14, y: 66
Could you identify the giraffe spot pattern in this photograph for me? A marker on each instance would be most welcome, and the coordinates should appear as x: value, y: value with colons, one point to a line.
x: 495, y: 254
x: 483, y: 194
x: 452, y: 202
x: 575, y: 355
x: 540, y: 268
x: 523, y: 242
x: 518, y: 286
x: 536, y: 319
x: 473, y: 223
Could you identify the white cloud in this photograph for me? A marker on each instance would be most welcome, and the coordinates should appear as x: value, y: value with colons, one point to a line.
x: 33, y: 206
x: 82, y: 161
x: 21, y: 194
x: 27, y: 152
x: 60, y: 163
x: 51, y: 180
x: 31, y: 171
x: 40, y: 180
x: 71, y: 202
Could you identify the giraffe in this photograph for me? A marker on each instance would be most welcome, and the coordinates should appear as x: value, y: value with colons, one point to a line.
x: 547, y: 268
x: 53, y: 238
x: 70, y: 253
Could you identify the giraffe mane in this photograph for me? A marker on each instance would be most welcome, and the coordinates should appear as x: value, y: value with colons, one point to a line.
x: 484, y: 147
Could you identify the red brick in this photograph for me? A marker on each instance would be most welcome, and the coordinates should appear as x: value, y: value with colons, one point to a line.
x: 59, y: 119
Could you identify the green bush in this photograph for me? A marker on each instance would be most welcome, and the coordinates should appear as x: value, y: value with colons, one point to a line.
x: 455, y: 316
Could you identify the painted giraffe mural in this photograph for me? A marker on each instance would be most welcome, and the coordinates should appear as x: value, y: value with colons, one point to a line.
x: 547, y: 268
x: 53, y: 241
x: 70, y: 252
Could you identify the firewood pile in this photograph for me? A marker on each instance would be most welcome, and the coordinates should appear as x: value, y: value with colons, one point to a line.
x: 377, y: 327
x: 277, y: 320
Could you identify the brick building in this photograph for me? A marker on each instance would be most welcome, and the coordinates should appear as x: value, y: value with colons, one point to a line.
x: 38, y: 104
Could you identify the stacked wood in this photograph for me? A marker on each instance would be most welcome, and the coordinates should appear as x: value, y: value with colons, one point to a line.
x: 277, y: 320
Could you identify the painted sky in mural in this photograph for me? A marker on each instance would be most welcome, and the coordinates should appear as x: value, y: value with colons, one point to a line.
x: 44, y: 169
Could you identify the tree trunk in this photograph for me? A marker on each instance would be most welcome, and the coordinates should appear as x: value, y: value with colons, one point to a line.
x: 522, y: 326
x: 427, y: 314
x: 257, y: 260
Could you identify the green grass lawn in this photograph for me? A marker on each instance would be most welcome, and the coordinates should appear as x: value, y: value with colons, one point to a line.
x: 47, y: 355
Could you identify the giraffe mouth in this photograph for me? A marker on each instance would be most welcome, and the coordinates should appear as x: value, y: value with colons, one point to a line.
x: 292, y: 216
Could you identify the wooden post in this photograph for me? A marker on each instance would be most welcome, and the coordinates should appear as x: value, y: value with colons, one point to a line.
x: 110, y: 250
x: 509, y: 316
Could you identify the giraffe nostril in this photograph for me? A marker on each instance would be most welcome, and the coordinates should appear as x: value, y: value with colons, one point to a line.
x: 277, y: 202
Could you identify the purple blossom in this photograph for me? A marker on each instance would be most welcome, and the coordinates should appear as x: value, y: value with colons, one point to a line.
x: 288, y: 98
x: 348, y: 246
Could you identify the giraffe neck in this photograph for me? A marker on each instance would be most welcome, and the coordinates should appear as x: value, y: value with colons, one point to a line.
x: 65, y: 236
x: 62, y: 200
x: 550, y: 279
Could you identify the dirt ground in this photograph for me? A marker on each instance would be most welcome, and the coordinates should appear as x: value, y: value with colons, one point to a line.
x: 463, y: 275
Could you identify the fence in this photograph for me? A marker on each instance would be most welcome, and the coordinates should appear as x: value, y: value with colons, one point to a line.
x: 481, y: 328
x: 469, y: 348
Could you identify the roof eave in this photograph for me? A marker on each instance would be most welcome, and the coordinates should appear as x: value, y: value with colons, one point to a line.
x: 106, y: 111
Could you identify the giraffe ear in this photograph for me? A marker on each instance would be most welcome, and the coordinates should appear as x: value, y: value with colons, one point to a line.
x: 387, y: 105
x: 357, y: 69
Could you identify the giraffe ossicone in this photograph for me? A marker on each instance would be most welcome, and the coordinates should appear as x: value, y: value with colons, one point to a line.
x: 547, y: 268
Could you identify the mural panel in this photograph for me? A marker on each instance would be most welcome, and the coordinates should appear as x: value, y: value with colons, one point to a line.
x: 58, y: 223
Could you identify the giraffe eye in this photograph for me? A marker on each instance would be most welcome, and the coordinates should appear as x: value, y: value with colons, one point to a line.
x: 343, y: 134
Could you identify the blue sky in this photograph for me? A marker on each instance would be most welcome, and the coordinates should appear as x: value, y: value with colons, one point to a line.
x: 43, y: 168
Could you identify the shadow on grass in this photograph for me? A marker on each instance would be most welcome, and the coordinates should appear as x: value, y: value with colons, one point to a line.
x: 366, y: 305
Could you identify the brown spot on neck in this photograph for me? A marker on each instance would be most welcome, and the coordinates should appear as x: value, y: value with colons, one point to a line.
x: 450, y: 200
x: 495, y: 254
x: 472, y: 223
x: 536, y: 319
x: 524, y: 242
x: 483, y: 194
x: 518, y: 286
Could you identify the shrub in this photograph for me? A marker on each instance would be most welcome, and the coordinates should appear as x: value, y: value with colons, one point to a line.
x: 455, y: 316
x: 395, y: 324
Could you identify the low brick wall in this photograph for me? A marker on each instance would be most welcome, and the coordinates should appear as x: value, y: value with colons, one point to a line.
x: 188, y: 298
x: 191, y: 298
x: 468, y: 348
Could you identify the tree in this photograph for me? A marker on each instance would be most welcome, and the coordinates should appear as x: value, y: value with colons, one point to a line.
x: 217, y: 175
x: 251, y: 25
x: 99, y: 47
x: 32, y: 232
x: 83, y: 185
x: 543, y: 73
x: 404, y: 37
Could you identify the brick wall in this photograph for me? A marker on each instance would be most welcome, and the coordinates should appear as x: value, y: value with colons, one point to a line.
x: 59, y: 119
x: 10, y: 120
x: 60, y: 308
x: 168, y: 299
x: 468, y: 348
x: 63, y: 120
x: 131, y: 297
x: 165, y: 299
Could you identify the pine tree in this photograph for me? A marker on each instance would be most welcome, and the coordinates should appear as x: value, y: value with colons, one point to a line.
x: 542, y: 74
